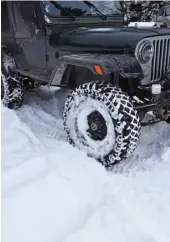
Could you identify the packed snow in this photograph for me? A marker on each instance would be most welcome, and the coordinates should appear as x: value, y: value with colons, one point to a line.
x: 52, y: 192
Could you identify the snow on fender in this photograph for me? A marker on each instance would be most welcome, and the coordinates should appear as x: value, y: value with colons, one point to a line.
x: 101, y: 120
x: 144, y: 24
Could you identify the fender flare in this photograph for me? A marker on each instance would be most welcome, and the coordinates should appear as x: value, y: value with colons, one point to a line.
x: 124, y: 65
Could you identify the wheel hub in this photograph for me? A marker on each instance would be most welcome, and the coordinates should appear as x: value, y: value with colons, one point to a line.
x: 93, y: 126
x: 97, y: 128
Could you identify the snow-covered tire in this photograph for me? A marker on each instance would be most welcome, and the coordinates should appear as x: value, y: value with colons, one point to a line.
x: 12, y: 88
x: 117, y: 127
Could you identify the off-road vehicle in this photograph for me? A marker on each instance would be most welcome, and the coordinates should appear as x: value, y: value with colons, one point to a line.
x: 118, y: 74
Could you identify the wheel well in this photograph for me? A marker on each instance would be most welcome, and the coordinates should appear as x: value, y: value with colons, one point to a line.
x: 76, y: 76
x: 129, y: 85
x: 80, y: 75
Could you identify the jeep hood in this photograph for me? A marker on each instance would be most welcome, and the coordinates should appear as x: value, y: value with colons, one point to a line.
x: 103, y: 39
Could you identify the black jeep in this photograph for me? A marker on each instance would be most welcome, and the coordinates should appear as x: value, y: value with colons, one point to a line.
x: 118, y: 74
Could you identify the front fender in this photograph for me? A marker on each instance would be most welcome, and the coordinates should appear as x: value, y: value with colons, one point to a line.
x: 124, y: 65
x: 128, y: 66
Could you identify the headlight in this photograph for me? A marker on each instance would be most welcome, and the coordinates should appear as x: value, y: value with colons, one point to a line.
x: 145, y: 52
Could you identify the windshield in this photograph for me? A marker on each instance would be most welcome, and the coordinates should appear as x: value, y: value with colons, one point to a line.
x: 80, y: 8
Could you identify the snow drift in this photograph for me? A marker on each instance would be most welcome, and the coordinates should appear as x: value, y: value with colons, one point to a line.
x: 52, y: 192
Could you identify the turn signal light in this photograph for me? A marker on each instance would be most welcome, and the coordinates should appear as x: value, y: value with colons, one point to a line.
x: 98, y: 69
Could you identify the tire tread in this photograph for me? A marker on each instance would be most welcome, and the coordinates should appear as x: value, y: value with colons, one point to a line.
x: 128, y: 127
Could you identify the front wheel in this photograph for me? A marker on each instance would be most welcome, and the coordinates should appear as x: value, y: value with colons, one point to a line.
x: 101, y: 120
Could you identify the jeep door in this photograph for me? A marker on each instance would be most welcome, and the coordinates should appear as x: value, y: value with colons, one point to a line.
x: 30, y: 37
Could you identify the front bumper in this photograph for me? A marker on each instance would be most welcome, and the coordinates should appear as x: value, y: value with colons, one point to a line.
x: 154, y: 98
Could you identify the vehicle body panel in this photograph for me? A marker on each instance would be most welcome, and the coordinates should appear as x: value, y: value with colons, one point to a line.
x: 110, y: 39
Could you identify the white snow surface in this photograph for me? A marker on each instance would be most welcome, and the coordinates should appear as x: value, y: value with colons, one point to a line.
x: 144, y: 24
x: 52, y: 192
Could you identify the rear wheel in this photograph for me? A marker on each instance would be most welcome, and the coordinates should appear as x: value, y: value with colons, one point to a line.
x: 101, y: 120
x: 12, y: 88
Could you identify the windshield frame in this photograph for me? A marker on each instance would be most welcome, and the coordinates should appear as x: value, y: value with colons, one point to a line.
x: 83, y: 18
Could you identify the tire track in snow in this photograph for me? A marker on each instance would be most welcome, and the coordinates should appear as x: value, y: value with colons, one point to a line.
x: 42, y: 112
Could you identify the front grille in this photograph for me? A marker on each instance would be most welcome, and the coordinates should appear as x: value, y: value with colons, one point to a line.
x: 161, y: 58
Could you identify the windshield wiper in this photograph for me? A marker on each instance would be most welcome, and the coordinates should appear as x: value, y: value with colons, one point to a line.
x: 102, y: 15
x: 57, y: 5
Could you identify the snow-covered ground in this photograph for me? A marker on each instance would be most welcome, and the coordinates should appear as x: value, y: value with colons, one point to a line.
x: 52, y: 192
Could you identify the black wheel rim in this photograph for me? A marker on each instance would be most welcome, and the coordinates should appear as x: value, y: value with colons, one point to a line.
x: 97, y: 126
